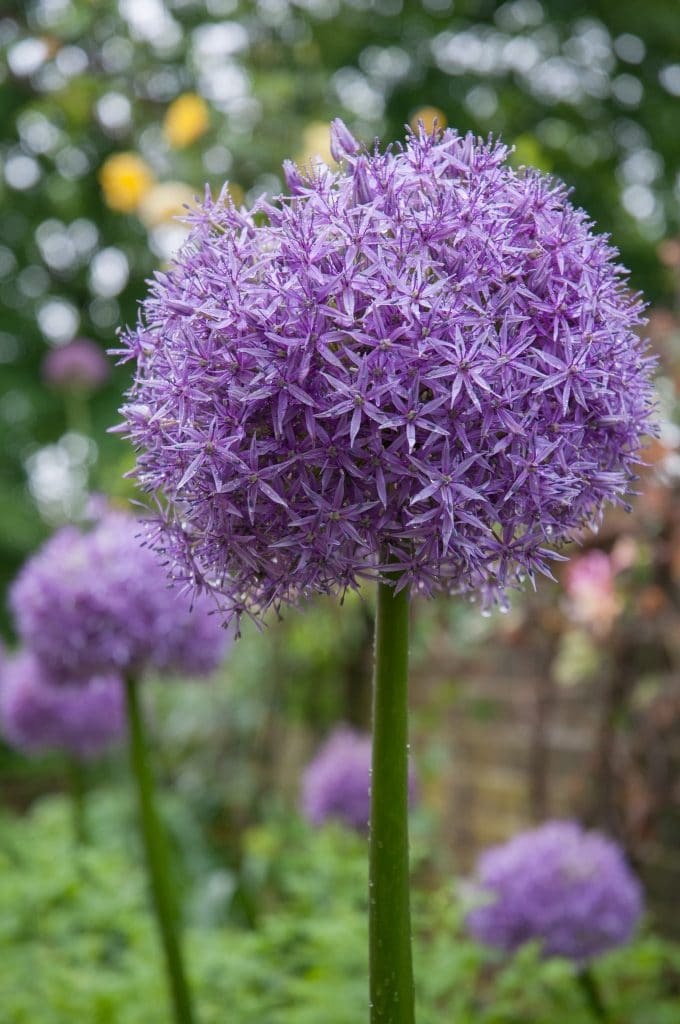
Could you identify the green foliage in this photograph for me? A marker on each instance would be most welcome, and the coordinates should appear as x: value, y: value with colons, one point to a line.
x: 78, y: 944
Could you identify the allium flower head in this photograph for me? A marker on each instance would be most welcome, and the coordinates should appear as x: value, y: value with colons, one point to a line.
x: 337, y: 783
x: 566, y: 888
x: 78, y: 366
x: 424, y: 357
x: 99, y: 601
x: 36, y: 716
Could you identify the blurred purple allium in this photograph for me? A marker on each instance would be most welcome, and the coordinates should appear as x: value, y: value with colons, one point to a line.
x: 425, y: 356
x: 99, y: 601
x: 569, y: 889
x: 79, y: 365
x: 336, y: 783
x: 36, y: 716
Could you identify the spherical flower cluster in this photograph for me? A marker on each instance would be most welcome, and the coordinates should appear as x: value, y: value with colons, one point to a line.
x: 566, y: 888
x: 78, y: 366
x: 336, y: 784
x: 36, y: 716
x: 426, y: 359
x: 99, y: 601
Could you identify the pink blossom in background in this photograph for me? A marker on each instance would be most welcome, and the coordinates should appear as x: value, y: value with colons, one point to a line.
x: 79, y: 366
x: 591, y: 590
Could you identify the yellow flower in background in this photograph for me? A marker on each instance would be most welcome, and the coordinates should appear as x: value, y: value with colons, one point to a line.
x: 428, y: 115
x: 125, y: 179
x: 186, y: 119
x: 164, y: 201
x: 316, y: 143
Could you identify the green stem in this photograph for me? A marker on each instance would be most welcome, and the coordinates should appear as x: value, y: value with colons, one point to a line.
x: 78, y: 419
x: 76, y: 776
x: 591, y: 991
x: 391, y: 970
x: 157, y: 860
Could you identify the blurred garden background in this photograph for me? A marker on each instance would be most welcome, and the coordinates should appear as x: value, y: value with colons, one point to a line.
x: 114, y: 114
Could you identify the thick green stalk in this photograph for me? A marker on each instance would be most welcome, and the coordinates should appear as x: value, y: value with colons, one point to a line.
x: 591, y: 991
x: 391, y: 970
x: 157, y: 860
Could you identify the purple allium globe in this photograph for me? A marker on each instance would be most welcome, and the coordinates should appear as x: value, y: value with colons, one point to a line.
x: 78, y: 366
x: 569, y: 889
x: 425, y: 358
x: 99, y: 601
x: 336, y: 784
x: 36, y: 716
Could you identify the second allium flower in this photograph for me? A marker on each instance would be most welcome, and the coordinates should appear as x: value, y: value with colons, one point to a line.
x: 36, y: 716
x: 99, y: 601
x: 567, y: 889
x: 336, y: 784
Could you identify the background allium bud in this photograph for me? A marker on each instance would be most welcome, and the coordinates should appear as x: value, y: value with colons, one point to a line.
x: 426, y: 353
x: 36, y: 716
x: 100, y: 601
x: 568, y: 889
x: 336, y: 784
x: 78, y: 366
